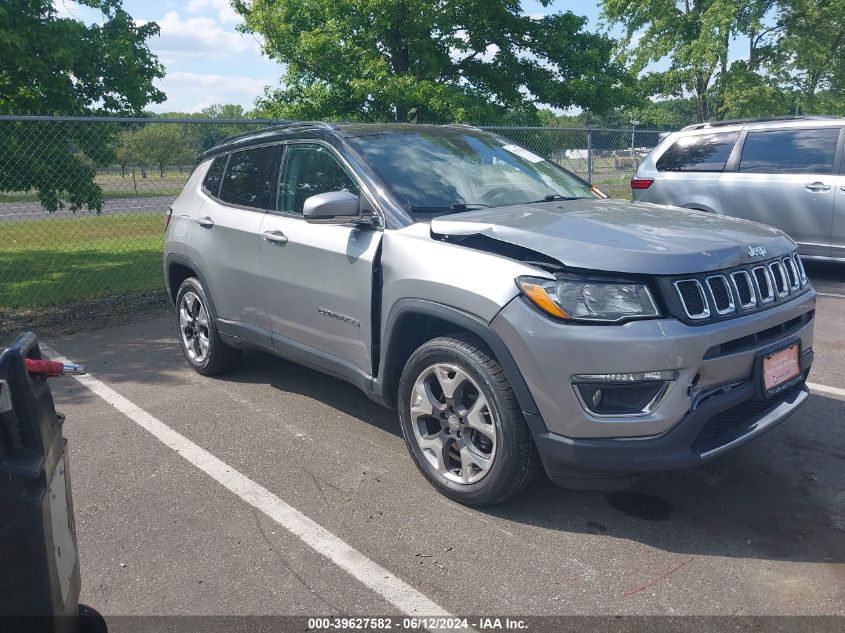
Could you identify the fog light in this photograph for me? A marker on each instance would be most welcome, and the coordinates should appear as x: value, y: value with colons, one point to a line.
x: 622, y: 394
x: 641, y: 376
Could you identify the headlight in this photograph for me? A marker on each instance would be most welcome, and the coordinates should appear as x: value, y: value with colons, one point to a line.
x: 589, y: 299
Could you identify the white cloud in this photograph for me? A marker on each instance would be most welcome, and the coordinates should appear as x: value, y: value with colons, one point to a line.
x: 191, y: 92
x: 225, y: 12
x: 75, y: 11
x: 197, y: 38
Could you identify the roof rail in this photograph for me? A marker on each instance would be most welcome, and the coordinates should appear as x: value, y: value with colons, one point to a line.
x: 800, y: 117
x: 281, y: 125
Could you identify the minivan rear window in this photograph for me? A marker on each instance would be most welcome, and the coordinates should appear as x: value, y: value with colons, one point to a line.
x: 249, y: 179
x: 701, y: 152
x: 790, y: 151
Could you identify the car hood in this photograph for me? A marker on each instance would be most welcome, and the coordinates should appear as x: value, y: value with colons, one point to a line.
x: 624, y: 237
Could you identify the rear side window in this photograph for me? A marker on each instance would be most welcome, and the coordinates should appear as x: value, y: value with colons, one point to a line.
x: 248, y: 180
x: 211, y: 184
x: 704, y: 152
x: 790, y: 152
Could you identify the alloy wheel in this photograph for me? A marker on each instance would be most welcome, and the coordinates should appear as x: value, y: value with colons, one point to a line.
x: 193, y: 327
x: 453, y: 423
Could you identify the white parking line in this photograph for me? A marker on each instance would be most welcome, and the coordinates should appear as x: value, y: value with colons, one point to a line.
x: 831, y: 391
x: 405, y: 598
x: 830, y: 294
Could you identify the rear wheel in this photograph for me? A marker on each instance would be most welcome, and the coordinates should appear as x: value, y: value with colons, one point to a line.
x: 462, y: 423
x: 198, y: 336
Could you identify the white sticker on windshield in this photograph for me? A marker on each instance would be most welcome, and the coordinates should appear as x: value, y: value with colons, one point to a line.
x: 524, y: 153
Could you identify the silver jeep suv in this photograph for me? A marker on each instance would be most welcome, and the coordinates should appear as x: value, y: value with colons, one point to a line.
x: 516, y: 319
x: 789, y: 173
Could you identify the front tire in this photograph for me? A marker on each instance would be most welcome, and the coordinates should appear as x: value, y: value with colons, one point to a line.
x: 462, y: 424
x: 198, y: 336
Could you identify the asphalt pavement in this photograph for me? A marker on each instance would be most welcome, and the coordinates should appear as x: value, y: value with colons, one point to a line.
x: 17, y: 211
x: 760, y: 531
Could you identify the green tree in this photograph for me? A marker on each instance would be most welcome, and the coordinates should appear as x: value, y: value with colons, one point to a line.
x: 812, y: 50
x: 424, y: 61
x: 61, y: 66
x: 667, y: 114
x: 159, y: 144
x: 205, y: 136
x: 695, y: 35
x: 125, y: 153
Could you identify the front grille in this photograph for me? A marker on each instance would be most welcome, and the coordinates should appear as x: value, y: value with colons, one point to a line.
x: 792, y: 273
x: 800, y: 265
x: 747, y: 296
x: 720, y: 292
x: 779, y: 276
x: 764, y: 284
x: 693, y: 299
x: 735, y: 291
x: 758, y: 339
x: 729, y: 425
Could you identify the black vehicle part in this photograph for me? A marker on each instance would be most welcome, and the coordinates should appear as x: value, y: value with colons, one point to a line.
x: 39, y: 570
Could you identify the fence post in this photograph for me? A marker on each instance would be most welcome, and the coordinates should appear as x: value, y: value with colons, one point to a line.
x: 590, y: 156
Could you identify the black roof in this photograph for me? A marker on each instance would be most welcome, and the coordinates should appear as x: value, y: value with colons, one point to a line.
x: 288, y: 129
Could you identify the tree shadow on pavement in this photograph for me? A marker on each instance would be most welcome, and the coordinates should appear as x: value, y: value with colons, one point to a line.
x: 780, y: 497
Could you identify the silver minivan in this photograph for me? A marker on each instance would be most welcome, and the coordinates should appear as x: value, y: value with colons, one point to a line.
x: 788, y: 173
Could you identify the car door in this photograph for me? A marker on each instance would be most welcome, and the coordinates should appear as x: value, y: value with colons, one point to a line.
x: 786, y: 178
x: 318, y: 278
x: 837, y: 239
x: 226, y: 234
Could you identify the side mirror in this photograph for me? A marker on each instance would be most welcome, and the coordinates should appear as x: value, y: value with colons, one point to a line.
x: 332, y: 207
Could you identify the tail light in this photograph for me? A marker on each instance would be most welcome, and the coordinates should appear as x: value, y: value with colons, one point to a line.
x: 167, y: 219
x: 641, y: 183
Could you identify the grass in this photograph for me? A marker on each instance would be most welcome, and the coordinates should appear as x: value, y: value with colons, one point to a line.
x: 64, y: 260
x: 612, y: 181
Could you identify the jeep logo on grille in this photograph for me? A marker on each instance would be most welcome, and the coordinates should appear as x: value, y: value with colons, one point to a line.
x: 756, y: 251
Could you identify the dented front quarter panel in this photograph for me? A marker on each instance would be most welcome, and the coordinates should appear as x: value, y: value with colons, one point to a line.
x: 415, y: 266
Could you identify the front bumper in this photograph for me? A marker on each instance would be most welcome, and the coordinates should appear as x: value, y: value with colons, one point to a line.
x: 718, y: 376
x: 716, y: 427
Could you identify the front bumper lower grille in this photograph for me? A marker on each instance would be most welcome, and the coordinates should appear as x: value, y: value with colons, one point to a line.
x: 729, y: 425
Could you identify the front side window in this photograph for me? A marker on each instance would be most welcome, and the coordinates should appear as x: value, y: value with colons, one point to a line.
x: 790, y: 152
x: 310, y: 169
x: 700, y: 152
x: 249, y: 177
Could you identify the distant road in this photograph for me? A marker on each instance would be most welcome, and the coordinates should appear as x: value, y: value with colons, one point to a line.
x: 17, y: 211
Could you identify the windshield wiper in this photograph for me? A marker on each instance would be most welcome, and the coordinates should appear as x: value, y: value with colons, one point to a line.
x: 457, y: 207
x: 553, y: 197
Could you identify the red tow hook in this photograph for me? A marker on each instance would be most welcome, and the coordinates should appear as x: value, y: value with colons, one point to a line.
x: 52, y: 368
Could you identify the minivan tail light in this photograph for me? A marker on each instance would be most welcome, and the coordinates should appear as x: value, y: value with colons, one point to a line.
x: 167, y: 219
x: 641, y: 183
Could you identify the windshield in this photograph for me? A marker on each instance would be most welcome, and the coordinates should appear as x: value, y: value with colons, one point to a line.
x: 435, y: 172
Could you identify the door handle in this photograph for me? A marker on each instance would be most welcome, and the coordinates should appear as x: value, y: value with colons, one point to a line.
x: 841, y: 187
x: 277, y: 238
x: 205, y: 222
x: 817, y: 186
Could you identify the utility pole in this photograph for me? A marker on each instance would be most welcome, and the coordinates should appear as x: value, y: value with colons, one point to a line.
x: 634, y: 124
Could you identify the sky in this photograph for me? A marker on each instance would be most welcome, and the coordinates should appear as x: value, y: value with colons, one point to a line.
x: 207, y: 61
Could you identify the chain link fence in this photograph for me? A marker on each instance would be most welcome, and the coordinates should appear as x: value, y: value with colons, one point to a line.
x: 83, y: 200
